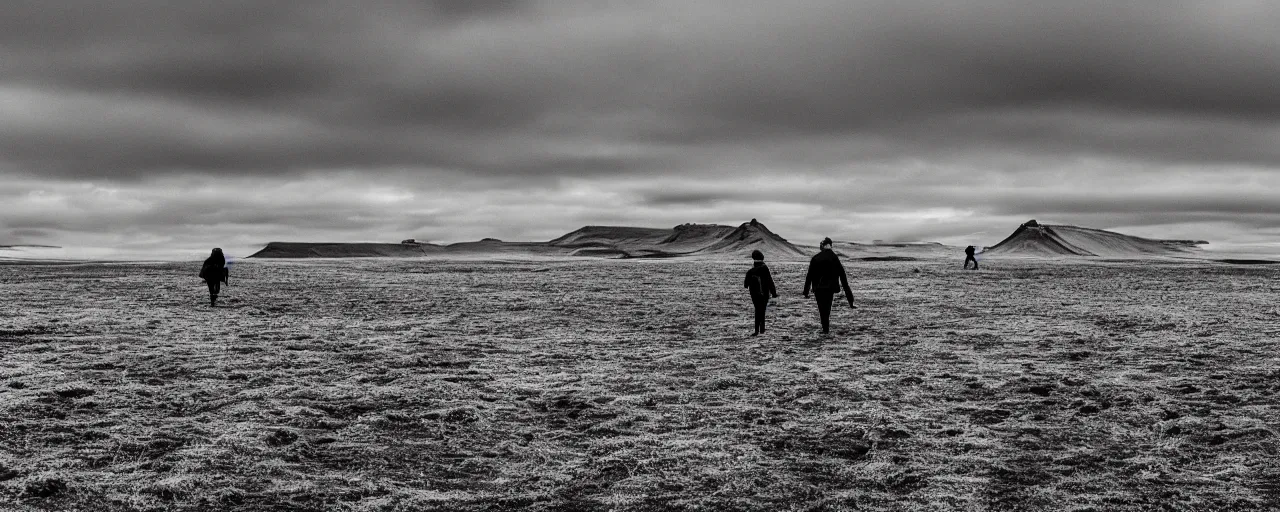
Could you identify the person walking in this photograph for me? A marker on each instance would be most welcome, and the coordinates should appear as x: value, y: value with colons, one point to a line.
x: 214, y: 272
x: 760, y: 283
x: 968, y: 256
x: 826, y: 277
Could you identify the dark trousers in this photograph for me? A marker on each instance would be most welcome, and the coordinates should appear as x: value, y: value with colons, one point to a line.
x: 967, y: 259
x: 824, y: 308
x: 761, y: 304
x: 214, y: 287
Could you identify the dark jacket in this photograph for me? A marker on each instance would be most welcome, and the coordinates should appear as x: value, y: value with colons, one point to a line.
x: 214, y: 269
x: 826, y: 274
x: 968, y: 251
x: 760, y: 282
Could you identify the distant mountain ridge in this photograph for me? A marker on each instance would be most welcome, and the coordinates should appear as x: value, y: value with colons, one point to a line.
x: 1046, y: 240
x: 683, y: 241
x: 720, y: 242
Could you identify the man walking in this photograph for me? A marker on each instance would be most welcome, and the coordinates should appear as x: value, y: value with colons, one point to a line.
x: 826, y: 277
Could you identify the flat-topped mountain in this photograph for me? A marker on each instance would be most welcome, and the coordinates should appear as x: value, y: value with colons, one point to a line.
x: 1049, y: 240
x: 404, y: 249
x: 610, y: 241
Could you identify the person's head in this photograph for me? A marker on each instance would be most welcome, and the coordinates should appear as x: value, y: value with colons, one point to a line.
x: 757, y: 255
x: 826, y: 244
x: 217, y: 251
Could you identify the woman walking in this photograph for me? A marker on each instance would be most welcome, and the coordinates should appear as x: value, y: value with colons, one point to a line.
x: 760, y: 283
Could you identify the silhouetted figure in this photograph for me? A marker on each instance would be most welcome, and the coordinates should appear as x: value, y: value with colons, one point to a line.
x: 214, y: 272
x: 826, y: 276
x: 760, y: 282
x: 968, y: 256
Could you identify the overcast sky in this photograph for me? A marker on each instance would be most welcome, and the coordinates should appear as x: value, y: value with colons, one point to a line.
x: 166, y: 127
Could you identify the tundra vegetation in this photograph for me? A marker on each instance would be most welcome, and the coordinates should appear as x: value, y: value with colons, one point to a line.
x: 412, y: 384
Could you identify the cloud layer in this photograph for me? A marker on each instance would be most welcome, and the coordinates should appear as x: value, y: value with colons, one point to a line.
x: 149, y: 124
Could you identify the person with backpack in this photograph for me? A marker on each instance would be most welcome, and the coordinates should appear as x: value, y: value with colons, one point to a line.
x: 826, y: 277
x: 760, y: 284
x: 214, y: 272
x: 968, y: 256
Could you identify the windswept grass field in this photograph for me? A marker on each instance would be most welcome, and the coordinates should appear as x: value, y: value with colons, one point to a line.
x: 593, y: 385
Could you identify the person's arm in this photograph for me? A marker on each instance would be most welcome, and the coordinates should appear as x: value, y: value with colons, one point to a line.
x: 844, y: 281
x: 746, y: 282
x: 773, y: 290
x: 808, y: 279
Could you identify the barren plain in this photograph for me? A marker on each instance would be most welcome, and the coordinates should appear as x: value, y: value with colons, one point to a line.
x: 411, y: 384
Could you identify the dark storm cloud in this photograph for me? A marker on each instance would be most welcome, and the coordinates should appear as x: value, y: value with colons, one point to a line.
x: 1000, y: 202
x: 22, y: 233
x: 1235, y: 203
x: 435, y: 84
x: 890, y: 115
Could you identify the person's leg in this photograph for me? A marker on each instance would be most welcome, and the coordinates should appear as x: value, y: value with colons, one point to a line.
x: 755, y: 324
x: 761, y: 305
x: 824, y: 309
x: 214, y: 286
x: 755, y: 318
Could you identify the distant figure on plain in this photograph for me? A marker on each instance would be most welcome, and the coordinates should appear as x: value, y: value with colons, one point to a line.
x: 760, y: 283
x: 214, y: 272
x: 826, y: 276
x: 968, y: 256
